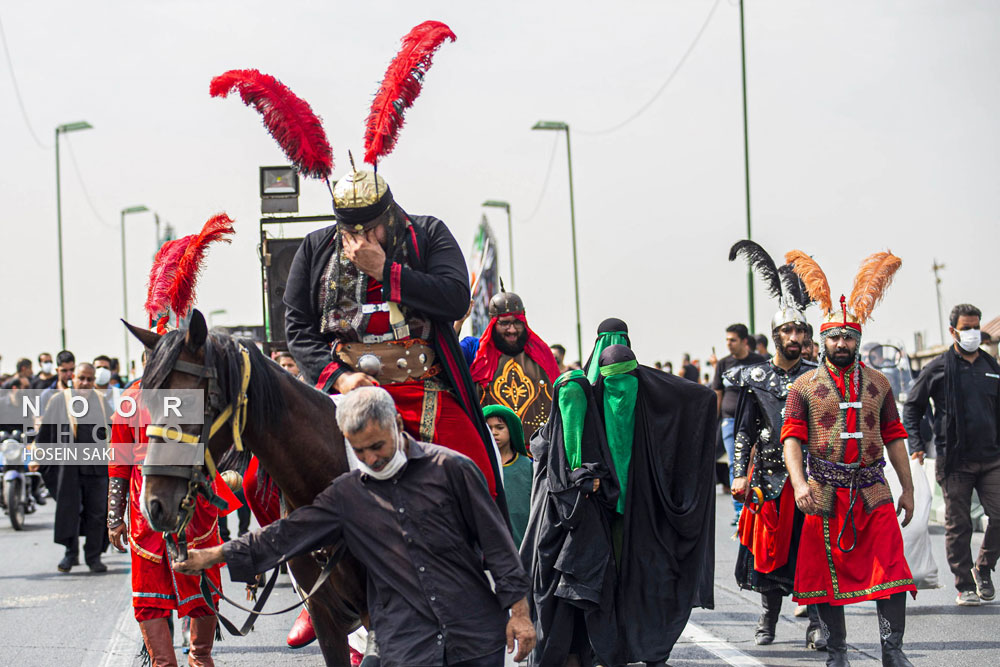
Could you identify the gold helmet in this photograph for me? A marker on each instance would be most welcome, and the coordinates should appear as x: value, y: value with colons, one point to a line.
x: 360, y: 198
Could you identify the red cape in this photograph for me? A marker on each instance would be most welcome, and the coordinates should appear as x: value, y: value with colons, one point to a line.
x: 484, y: 366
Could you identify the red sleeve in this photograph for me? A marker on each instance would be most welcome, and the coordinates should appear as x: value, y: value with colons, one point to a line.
x: 122, y: 440
x: 892, y: 427
x: 796, y: 423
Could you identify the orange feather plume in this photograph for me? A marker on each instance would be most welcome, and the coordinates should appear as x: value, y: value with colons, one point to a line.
x: 812, y: 276
x: 871, y: 282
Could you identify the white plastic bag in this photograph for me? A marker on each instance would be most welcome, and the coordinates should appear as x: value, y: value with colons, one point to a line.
x: 916, y: 538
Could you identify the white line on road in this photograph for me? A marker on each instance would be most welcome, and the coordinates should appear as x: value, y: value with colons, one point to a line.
x: 126, y: 640
x: 719, y: 647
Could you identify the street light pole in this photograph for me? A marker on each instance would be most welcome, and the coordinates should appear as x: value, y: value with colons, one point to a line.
x: 746, y: 164
x: 559, y: 125
x: 937, y: 288
x: 126, y: 211
x: 494, y: 203
x: 62, y: 129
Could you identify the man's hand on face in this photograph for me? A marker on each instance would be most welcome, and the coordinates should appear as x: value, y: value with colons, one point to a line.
x: 519, y: 628
x: 353, y: 380
x: 365, y: 252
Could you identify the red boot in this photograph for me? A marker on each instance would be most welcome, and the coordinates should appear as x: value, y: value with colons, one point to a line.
x: 302, y: 632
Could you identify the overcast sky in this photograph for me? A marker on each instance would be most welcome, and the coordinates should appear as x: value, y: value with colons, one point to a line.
x: 872, y: 126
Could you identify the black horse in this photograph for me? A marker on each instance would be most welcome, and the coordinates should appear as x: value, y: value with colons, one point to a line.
x: 292, y: 430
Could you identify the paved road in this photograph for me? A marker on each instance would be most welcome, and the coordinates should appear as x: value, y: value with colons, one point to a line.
x: 49, y: 618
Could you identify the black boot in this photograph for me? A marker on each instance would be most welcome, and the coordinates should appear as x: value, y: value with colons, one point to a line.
x: 891, y: 625
x: 836, y: 643
x: 771, y: 602
x: 816, y: 632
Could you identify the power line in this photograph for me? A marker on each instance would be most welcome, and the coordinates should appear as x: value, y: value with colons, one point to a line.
x: 670, y: 78
x: 17, y: 89
x: 545, y: 182
x: 83, y: 186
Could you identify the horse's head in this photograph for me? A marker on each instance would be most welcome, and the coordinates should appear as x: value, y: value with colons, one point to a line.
x: 186, y: 360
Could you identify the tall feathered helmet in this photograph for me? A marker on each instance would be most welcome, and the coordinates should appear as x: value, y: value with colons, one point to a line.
x: 872, y: 280
x: 361, y: 197
x: 782, y: 283
x: 175, y: 272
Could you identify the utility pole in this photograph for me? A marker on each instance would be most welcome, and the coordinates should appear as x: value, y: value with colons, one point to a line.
x: 746, y: 165
x: 937, y: 288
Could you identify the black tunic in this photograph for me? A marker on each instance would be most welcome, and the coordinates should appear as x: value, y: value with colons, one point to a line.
x: 423, y: 536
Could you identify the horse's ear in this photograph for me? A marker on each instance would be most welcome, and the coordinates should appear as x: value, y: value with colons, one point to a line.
x: 197, y: 332
x: 148, y: 338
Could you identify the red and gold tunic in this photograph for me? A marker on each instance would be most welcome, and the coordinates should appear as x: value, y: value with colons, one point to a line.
x: 156, y: 588
x: 845, y: 416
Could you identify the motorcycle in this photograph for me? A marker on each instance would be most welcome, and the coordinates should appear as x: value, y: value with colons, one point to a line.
x: 16, y: 497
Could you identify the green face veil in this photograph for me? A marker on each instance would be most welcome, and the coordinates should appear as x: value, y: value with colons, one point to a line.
x: 573, y: 410
x: 612, y: 331
x: 514, y: 425
x: 620, y: 387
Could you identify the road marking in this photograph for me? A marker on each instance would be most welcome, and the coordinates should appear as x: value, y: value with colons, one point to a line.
x: 719, y: 647
x: 125, y: 642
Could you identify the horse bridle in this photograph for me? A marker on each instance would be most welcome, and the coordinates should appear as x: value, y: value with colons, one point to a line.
x: 217, y: 413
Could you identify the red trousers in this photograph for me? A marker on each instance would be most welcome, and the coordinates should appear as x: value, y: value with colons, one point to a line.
x: 157, y: 590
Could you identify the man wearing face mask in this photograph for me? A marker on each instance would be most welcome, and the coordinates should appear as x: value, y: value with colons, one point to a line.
x: 45, y: 374
x: 420, y: 518
x: 770, y: 524
x: 840, y: 419
x: 964, y: 385
x: 81, y: 488
x: 102, y: 375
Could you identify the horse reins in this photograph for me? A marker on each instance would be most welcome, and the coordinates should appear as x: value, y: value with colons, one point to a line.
x: 234, y: 413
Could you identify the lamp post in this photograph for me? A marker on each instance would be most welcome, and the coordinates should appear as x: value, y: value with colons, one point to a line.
x: 126, y: 211
x: 564, y: 127
x: 495, y: 203
x: 937, y: 289
x: 746, y: 164
x: 62, y: 129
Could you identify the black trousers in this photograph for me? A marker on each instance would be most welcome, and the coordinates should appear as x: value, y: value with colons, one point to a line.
x: 957, y: 488
x: 81, y: 509
x: 491, y: 660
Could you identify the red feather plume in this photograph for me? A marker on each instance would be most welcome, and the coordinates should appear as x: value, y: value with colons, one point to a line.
x: 400, y: 86
x: 218, y: 228
x: 288, y: 118
x: 161, y: 276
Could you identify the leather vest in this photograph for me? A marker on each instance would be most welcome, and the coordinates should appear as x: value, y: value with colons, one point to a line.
x: 828, y: 431
x: 768, y: 385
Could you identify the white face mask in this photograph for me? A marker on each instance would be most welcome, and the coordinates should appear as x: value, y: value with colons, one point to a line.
x: 47, y: 367
x: 970, y: 339
x: 392, y: 468
x: 102, y: 376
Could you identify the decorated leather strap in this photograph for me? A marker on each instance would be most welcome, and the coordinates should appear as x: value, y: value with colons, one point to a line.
x: 117, y: 497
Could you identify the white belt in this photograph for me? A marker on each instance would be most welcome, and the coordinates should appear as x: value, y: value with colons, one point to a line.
x: 851, y: 436
x: 854, y: 404
x: 369, y: 308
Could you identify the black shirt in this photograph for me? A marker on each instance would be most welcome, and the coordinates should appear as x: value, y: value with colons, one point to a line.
x: 730, y: 392
x: 978, y: 390
x: 690, y: 372
x: 423, y: 536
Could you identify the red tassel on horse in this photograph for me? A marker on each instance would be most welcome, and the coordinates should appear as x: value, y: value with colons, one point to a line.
x: 218, y: 228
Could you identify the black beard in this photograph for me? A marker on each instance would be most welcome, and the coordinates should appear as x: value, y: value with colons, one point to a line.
x: 789, y: 355
x: 841, y: 360
x: 510, y: 350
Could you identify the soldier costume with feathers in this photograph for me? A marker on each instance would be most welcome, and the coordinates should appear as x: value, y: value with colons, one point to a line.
x: 839, y: 420
x: 770, y: 524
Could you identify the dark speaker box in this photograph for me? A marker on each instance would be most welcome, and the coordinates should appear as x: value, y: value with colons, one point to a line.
x: 278, y: 255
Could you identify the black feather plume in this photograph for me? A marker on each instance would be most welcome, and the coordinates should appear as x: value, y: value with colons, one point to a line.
x: 759, y: 261
x: 795, y: 289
